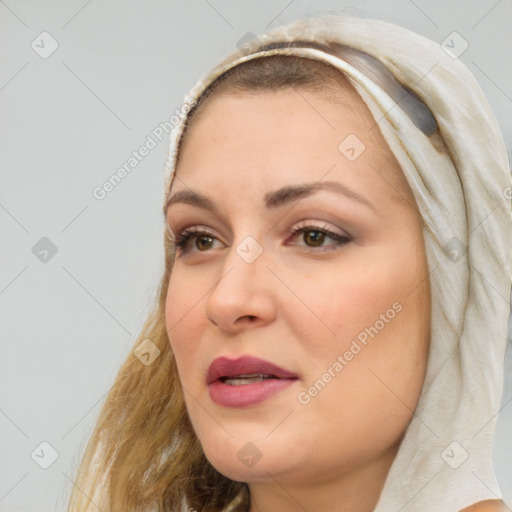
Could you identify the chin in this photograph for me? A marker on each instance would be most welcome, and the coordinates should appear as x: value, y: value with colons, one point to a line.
x: 246, y: 461
x: 233, y: 468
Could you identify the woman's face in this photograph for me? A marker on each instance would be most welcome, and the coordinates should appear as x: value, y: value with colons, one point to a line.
x: 306, y: 252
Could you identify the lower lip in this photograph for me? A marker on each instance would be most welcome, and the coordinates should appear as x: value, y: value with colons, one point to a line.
x: 246, y: 394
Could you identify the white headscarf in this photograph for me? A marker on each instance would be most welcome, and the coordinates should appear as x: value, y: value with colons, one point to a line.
x: 444, y: 462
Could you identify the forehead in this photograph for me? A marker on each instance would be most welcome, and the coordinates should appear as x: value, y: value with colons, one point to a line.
x: 267, y: 139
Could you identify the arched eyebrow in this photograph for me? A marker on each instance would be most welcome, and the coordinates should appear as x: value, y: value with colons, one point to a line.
x: 274, y: 199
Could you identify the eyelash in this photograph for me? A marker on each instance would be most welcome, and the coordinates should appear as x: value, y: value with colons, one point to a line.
x: 190, y: 233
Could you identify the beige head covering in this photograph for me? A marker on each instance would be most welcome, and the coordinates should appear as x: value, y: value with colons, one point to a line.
x: 445, y: 460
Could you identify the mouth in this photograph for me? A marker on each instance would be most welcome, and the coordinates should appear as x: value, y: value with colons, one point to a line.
x: 246, y: 381
x: 245, y: 370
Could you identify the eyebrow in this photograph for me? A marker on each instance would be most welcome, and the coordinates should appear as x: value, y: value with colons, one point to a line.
x: 274, y: 199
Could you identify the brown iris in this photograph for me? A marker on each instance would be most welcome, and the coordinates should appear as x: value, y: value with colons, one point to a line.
x: 316, y: 239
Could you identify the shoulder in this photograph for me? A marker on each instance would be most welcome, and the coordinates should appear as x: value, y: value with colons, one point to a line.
x: 487, y: 506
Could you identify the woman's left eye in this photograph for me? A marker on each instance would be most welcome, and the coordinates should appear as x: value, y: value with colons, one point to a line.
x: 314, y: 237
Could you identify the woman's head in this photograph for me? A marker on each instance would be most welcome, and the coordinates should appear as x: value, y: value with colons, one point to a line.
x: 416, y: 231
x: 283, y: 152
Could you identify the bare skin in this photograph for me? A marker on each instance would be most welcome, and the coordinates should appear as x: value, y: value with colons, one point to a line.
x: 303, y: 301
x: 487, y: 506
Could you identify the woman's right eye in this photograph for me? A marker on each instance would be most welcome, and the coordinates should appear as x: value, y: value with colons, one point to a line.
x: 203, y: 239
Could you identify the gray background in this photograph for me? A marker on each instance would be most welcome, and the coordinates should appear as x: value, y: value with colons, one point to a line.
x: 67, y: 123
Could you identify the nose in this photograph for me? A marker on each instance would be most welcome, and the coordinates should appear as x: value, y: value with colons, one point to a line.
x: 243, y: 297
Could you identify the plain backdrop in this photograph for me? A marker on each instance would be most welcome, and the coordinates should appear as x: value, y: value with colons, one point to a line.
x: 77, y: 273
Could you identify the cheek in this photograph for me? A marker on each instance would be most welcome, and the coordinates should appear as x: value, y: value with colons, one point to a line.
x: 183, y: 323
x: 377, y: 306
x: 365, y: 286
x: 369, y: 395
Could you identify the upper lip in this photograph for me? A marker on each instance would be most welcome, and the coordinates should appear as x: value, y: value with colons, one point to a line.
x: 245, y: 365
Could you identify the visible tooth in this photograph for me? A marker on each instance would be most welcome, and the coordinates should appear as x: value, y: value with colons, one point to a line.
x: 246, y: 379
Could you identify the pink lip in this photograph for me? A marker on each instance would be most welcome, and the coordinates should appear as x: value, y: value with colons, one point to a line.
x: 248, y: 394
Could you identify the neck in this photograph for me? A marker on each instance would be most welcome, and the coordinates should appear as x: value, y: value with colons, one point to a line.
x: 357, y: 490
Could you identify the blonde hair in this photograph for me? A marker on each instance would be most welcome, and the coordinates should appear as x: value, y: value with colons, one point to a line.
x: 143, y: 454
